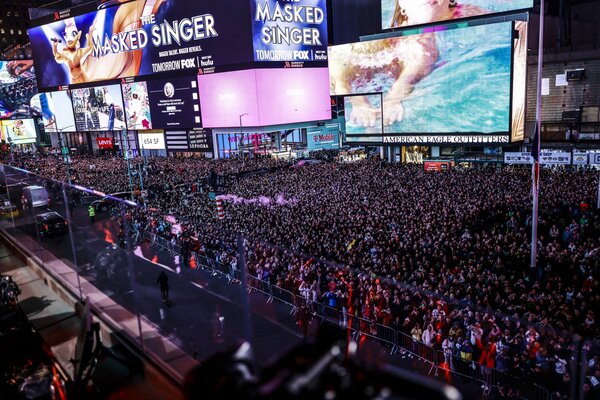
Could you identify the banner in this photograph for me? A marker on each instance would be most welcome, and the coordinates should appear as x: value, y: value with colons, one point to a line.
x: 518, y: 158
x: 580, y: 158
x: 546, y: 158
x: 295, y: 32
x: 104, y: 142
x: 142, y: 37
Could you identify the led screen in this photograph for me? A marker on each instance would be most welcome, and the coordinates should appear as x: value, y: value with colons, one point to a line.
x: 137, y: 105
x: 359, y: 123
x: 453, y: 81
x: 174, y: 103
x: 264, y: 97
x: 56, y: 111
x: 290, y: 31
x: 19, y: 131
x: 142, y: 37
x: 98, y: 108
x: 402, y: 13
x: 17, y: 87
x: 322, y: 138
x: 519, y: 82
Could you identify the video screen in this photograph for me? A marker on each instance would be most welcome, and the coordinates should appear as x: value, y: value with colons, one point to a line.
x: 56, y: 111
x: 403, y: 13
x: 174, y: 103
x: 452, y: 81
x: 137, y: 105
x: 17, y: 87
x: 142, y: 37
x: 152, y: 141
x: 519, y: 82
x: 19, y: 131
x: 363, y: 122
x: 264, y: 97
x: 98, y: 108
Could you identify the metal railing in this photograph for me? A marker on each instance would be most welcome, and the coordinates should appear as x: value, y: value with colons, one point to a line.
x: 358, y: 327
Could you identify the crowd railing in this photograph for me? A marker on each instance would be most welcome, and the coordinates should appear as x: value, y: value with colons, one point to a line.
x: 395, y: 341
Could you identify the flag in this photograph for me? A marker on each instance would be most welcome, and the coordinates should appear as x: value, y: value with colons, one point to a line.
x: 536, y: 145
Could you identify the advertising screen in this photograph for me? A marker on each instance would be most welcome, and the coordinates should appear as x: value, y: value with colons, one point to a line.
x: 152, y: 141
x: 98, y: 108
x: 174, y: 103
x: 264, y: 97
x: 403, y: 13
x: 519, y: 82
x: 19, y: 131
x: 327, y: 137
x: 290, y: 31
x: 142, y: 37
x: 452, y: 81
x: 137, y: 105
x: 17, y: 87
x: 56, y: 111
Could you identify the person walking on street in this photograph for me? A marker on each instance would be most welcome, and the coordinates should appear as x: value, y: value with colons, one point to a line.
x: 163, y: 283
x: 92, y: 213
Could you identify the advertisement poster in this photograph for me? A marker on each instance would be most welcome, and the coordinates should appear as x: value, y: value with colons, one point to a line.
x: 200, y: 140
x: 104, y: 143
x: 56, y: 111
x: 137, y: 105
x: 99, y: 108
x: 17, y: 87
x: 174, y: 103
x: 290, y: 31
x: 403, y: 13
x: 19, y: 131
x: 142, y: 37
x: 452, y: 81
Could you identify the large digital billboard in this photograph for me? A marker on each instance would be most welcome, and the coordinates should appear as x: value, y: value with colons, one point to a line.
x: 137, y: 105
x: 56, y: 111
x: 403, y: 13
x: 19, y: 131
x: 174, y: 103
x: 519, y: 82
x: 264, y: 97
x: 290, y: 31
x: 452, y: 81
x: 98, y: 108
x: 17, y: 87
x: 142, y: 37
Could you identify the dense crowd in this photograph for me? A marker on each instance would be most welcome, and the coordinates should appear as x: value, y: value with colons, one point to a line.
x: 442, y: 258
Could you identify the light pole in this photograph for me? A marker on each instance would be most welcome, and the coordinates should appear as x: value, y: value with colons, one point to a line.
x: 65, y: 151
x: 241, y: 145
x: 124, y: 134
x: 10, y: 146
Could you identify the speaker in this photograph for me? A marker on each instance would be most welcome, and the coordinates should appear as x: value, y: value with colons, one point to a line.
x: 575, y: 75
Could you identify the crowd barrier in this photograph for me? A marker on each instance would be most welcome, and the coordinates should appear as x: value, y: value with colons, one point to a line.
x: 358, y: 327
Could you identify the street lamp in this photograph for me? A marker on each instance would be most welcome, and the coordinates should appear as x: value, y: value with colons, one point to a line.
x: 124, y: 134
x: 65, y: 151
x: 241, y: 149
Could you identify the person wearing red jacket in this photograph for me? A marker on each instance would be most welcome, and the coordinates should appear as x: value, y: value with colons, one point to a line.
x: 487, y: 361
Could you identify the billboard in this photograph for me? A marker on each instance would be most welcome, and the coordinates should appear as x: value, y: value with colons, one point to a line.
x: 448, y: 81
x: 142, y: 37
x: 324, y: 137
x: 137, y: 105
x: 290, y: 31
x: 152, y: 141
x: 56, y: 111
x: 98, y: 108
x: 174, y: 103
x: 519, y: 82
x: 17, y: 87
x: 403, y: 13
x: 264, y: 97
x: 19, y: 131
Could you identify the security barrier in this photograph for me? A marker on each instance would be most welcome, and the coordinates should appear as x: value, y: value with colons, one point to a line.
x: 358, y: 327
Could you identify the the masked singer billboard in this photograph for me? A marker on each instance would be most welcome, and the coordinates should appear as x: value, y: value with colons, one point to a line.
x: 290, y: 31
x: 142, y: 37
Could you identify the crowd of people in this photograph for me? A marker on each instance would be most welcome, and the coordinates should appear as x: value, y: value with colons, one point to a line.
x: 442, y: 258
